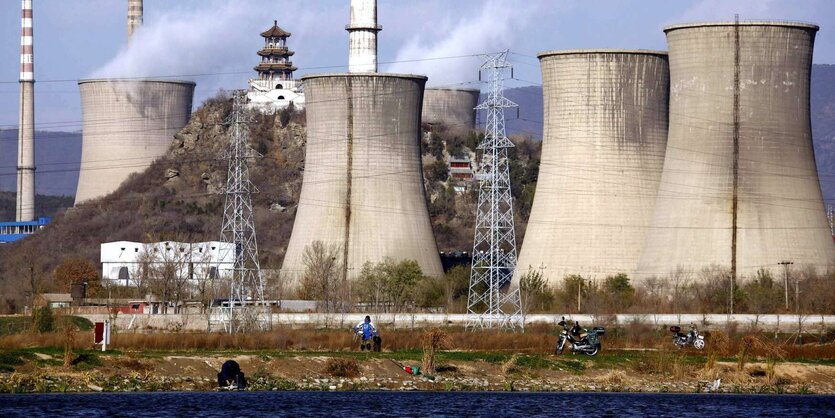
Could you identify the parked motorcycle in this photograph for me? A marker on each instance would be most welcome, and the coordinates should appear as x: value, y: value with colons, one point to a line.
x: 579, y: 339
x: 682, y: 340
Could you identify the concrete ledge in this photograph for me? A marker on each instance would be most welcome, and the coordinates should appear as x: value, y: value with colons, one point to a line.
x: 170, y: 322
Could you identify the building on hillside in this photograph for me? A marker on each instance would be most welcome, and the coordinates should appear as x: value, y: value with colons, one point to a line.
x: 127, y: 263
x: 275, y: 88
x: 53, y: 300
x: 461, y: 172
x: 13, y: 231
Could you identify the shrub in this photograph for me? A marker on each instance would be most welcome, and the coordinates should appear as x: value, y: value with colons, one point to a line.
x: 43, y: 319
x: 342, y: 367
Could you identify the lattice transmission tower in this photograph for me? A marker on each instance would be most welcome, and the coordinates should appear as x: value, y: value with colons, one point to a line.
x: 246, y: 295
x: 492, y: 302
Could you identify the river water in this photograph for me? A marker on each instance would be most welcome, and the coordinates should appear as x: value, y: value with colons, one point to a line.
x: 413, y: 404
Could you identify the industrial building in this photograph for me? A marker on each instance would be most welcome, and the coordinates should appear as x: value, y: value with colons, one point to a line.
x: 275, y: 88
x: 740, y: 187
x: 13, y: 231
x: 602, y: 155
x: 363, y: 182
x: 454, y: 108
x: 127, y: 124
x: 126, y: 263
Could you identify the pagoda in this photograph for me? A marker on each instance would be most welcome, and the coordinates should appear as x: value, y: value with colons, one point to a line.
x: 275, y: 87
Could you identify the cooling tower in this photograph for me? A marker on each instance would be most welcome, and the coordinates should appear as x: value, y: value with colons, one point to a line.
x: 740, y: 186
x: 452, y: 107
x: 126, y: 125
x: 602, y: 155
x: 363, y: 182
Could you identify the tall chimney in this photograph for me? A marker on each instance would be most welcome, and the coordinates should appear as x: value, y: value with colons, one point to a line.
x: 134, y: 16
x: 362, y: 37
x: 25, y: 210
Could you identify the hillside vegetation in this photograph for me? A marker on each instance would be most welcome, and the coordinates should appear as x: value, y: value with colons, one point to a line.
x: 180, y: 198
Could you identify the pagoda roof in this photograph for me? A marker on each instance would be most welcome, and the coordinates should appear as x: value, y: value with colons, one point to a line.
x: 277, y: 66
x: 278, y: 51
x: 275, y: 31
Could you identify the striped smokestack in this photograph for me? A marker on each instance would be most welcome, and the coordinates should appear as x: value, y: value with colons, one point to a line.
x: 25, y: 210
x: 134, y: 16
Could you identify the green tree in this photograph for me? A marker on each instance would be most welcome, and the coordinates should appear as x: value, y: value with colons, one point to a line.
x: 761, y: 295
x: 618, y: 292
x: 536, y: 296
x: 436, y: 171
x: 43, y: 320
x: 389, y: 285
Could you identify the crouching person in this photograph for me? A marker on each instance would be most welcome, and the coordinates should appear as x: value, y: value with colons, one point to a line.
x: 231, y: 376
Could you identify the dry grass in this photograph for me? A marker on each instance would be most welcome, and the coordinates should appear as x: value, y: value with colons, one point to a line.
x: 535, y: 340
x: 342, y: 367
x: 613, y: 378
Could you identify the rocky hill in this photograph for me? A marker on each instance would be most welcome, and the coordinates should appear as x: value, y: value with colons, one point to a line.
x: 178, y: 197
x: 174, y: 199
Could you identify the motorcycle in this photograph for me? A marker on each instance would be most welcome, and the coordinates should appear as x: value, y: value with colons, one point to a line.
x: 579, y: 339
x: 682, y: 340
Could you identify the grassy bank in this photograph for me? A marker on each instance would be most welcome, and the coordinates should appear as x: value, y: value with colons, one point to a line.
x: 633, y: 359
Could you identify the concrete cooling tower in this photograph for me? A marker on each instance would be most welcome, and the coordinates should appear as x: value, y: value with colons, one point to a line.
x: 363, y: 182
x: 126, y: 125
x: 740, y: 187
x: 453, y: 107
x: 602, y: 155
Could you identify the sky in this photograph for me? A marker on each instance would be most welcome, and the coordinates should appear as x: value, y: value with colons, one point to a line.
x: 214, y: 42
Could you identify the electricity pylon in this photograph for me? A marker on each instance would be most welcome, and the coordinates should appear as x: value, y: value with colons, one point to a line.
x: 492, y: 302
x: 246, y: 295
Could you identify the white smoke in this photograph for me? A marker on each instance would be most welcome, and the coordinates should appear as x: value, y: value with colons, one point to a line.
x: 214, y: 44
x: 206, y: 39
x: 490, y: 29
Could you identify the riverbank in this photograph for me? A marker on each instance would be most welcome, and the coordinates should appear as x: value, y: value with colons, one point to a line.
x: 41, y: 370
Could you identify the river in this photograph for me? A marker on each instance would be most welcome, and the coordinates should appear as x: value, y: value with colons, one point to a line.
x: 412, y: 404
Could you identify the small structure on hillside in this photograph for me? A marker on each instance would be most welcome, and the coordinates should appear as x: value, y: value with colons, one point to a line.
x: 461, y: 172
x: 275, y: 88
x: 54, y: 300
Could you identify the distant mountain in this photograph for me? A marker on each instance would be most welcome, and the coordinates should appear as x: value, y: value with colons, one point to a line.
x: 57, y: 158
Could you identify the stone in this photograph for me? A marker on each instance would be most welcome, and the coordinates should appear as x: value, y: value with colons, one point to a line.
x: 276, y: 207
x: 172, y: 173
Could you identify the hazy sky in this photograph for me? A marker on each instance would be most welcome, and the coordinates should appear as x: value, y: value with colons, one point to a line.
x: 213, y: 42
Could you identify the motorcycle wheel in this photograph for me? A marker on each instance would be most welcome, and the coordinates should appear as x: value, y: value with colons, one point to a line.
x: 560, y: 345
x: 594, y: 351
x: 699, y: 344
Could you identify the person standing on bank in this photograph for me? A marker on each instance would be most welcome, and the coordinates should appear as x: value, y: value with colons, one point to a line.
x: 367, y: 331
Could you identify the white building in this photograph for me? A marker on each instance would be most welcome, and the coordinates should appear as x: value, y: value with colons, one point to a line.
x: 275, y: 88
x: 123, y: 262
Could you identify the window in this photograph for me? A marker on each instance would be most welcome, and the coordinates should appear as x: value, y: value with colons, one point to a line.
x: 279, y: 86
x: 280, y: 97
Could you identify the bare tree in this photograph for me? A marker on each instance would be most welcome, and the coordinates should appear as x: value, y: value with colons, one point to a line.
x: 323, y: 279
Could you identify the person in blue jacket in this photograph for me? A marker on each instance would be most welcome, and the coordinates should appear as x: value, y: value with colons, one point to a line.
x: 367, y: 331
